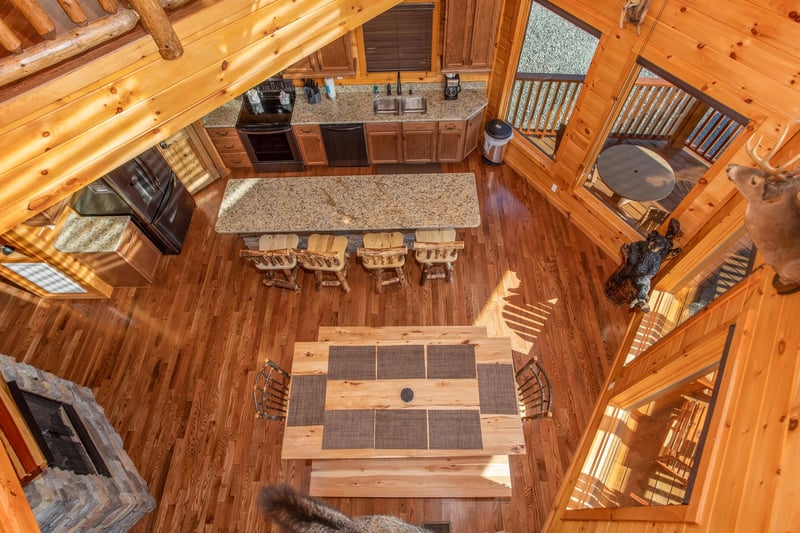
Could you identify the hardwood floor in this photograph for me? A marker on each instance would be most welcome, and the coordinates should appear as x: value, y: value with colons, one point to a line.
x: 173, y: 365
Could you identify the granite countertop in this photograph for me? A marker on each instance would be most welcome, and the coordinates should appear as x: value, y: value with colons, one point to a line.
x: 349, y: 203
x: 91, y: 234
x: 353, y: 104
x: 224, y: 116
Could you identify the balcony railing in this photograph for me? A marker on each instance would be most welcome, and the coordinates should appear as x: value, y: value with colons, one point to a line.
x: 655, y: 110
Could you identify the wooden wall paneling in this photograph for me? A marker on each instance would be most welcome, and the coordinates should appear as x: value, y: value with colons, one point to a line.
x: 15, y: 513
x: 147, y: 103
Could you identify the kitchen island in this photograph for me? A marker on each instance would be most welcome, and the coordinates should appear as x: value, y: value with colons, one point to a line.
x: 349, y: 205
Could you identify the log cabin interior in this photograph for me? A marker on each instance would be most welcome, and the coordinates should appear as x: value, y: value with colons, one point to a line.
x: 683, y: 418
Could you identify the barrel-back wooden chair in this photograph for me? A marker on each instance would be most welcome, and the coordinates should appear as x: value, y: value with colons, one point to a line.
x: 384, y: 252
x: 436, y: 251
x: 325, y: 255
x: 276, y: 257
x: 271, y: 391
x: 534, y: 392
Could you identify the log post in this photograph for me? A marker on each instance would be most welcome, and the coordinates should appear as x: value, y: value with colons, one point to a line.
x: 109, y: 6
x: 74, y: 11
x: 9, y: 39
x: 155, y: 21
x: 37, y: 17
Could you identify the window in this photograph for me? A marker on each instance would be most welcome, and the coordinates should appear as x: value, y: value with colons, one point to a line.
x: 649, y: 445
x: 399, y: 39
x: 552, y: 65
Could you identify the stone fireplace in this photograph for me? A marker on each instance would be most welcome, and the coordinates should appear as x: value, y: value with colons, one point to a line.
x: 91, y: 483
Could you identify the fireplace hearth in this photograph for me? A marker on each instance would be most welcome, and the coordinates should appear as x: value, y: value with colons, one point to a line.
x: 91, y: 484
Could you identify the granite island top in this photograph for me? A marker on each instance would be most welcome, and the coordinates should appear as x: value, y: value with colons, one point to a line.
x: 349, y: 204
x: 91, y: 234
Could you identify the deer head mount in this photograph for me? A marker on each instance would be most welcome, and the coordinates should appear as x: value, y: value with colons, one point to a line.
x: 634, y: 12
x: 772, y: 217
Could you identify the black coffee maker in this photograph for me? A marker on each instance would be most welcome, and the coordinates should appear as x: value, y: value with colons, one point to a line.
x: 452, y: 86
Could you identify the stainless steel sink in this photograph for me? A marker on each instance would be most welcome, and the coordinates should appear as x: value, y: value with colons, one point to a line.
x: 413, y: 104
x: 386, y: 105
x: 389, y: 105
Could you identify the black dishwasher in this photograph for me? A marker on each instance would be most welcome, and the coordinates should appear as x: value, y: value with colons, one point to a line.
x: 345, y: 145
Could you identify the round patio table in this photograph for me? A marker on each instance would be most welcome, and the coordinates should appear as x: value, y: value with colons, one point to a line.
x: 635, y: 173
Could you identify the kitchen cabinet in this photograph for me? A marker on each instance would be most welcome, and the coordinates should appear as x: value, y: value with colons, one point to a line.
x: 384, y: 142
x: 132, y: 264
x: 450, y: 141
x: 469, y: 34
x: 473, y: 130
x: 230, y: 147
x: 419, y: 142
x: 334, y: 59
x: 309, y: 141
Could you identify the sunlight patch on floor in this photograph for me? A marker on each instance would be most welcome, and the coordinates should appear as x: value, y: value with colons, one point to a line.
x: 506, y: 314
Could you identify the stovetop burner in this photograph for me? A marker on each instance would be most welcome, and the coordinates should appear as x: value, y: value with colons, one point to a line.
x: 269, y: 104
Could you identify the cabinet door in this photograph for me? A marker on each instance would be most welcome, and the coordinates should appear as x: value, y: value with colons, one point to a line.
x: 450, y: 142
x: 472, y: 135
x: 335, y: 58
x: 309, y: 141
x: 230, y: 147
x: 470, y: 28
x: 383, y: 142
x: 419, y: 142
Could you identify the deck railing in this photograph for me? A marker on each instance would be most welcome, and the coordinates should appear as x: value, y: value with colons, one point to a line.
x: 655, y: 110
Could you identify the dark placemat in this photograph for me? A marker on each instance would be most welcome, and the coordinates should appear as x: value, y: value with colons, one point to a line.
x: 398, y: 429
x: 401, y: 362
x: 497, y: 389
x: 455, y: 430
x: 354, y: 428
x: 307, y: 401
x: 351, y: 362
x: 451, y: 361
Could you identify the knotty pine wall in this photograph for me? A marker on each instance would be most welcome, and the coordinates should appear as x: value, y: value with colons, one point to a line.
x: 63, y: 134
x: 746, y: 478
x: 745, y: 55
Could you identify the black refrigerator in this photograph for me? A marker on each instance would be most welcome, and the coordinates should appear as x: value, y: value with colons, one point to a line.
x: 146, y: 189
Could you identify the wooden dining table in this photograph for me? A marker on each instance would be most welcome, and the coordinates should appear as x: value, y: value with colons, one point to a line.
x: 406, y: 403
x: 635, y: 173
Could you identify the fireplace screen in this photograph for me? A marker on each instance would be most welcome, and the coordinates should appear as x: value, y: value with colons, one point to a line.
x: 60, y: 433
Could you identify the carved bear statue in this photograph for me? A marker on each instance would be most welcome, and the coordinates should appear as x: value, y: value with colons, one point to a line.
x: 641, y: 260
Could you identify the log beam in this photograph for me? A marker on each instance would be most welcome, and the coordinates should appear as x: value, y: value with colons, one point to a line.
x: 74, y: 11
x: 155, y: 22
x: 9, y: 39
x: 48, y: 53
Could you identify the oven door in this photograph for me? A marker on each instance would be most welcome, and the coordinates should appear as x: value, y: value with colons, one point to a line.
x: 271, y: 148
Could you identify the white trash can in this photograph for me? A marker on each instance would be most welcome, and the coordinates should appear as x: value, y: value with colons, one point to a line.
x: 495, y: 140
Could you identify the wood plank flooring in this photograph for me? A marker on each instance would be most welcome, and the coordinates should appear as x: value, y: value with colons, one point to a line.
x: 173, y: 365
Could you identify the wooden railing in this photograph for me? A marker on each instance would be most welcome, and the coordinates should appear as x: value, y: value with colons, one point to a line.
x: 37, y: 34
x: 655, y: 110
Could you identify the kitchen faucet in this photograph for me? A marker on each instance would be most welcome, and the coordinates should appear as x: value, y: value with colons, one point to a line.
x: 399, y: 87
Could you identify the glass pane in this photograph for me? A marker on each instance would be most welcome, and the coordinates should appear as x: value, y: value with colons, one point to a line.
x: 646, y: 456
x: 721, y: 272
x: 555, y: 57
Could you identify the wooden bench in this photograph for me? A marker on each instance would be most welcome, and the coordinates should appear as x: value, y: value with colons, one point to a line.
x: 418, y: 477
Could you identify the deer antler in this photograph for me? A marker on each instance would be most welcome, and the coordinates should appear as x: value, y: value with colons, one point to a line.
x: 763, y: 162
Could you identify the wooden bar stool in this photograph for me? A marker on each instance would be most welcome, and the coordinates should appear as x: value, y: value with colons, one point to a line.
x: 326, y: 254
x: 276, y: 257
x: 436, y: 250
x: 382, y: 252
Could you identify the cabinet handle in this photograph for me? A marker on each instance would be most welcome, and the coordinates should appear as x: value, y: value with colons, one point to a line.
x: 222, y: 133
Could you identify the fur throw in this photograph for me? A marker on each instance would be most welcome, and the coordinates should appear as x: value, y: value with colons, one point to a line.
x: 298, y: 513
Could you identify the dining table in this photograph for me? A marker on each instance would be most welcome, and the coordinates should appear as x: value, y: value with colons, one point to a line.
x: 635, y: 173
x: 410, y: 403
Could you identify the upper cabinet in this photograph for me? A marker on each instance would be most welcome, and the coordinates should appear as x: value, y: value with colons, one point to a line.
x: 334, y: 59
x: 470, y: 28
